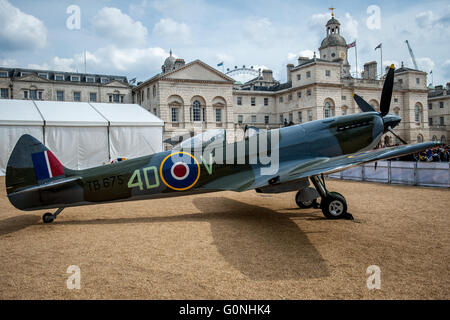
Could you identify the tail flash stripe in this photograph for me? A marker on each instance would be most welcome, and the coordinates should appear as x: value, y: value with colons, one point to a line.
x: 56, y: 167
x: 48, y: 164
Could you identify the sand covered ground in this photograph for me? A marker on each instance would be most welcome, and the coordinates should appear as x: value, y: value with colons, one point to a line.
x: 233, y: 246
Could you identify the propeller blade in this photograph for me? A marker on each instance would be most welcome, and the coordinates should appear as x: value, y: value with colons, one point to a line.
x: 386, y: 94
x: 363, y: 105
x: 396, y: 135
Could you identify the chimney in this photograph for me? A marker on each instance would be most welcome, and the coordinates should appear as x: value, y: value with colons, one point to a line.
x: 267, y: 75
x: 370, y: 70
x: 302, y: 60
x: 289, y: 67
x: 448, y: 87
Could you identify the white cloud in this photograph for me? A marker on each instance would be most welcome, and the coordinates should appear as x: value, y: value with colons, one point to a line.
x: 170, y: 29
x: 113, y: 24
x: 425, y: 64
x: 19, y: 30
x: 8, y: 63
x: 259, y: 31
x: 349, y: 28
x: 424, y: 19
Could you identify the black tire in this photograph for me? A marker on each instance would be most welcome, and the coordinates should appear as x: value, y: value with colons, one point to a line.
x: 48, y: 217
x: 304, y: 204
x: 334, y: 206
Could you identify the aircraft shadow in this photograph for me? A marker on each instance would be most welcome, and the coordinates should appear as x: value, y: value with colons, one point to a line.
x: 17, y: 223
x: 261, y: 243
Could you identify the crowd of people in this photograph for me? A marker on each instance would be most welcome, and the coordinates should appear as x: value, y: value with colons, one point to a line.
x: 439, y: 154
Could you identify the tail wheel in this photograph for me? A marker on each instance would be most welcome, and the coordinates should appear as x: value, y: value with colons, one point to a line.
x: 304, y: 204
x: 334, y: 206
x: 48, y: 217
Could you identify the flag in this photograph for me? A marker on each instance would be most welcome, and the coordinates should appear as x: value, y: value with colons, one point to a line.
x: 220, y: 64
x: 378, y: 47
x: 431, y: 72
x: 351, y: 45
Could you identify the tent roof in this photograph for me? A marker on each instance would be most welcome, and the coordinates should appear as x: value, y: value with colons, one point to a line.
x: 78, y: 114
x: 127, y: 115
x: 20, y: 113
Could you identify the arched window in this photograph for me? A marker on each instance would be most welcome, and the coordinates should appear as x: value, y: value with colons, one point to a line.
x: 443, y: 140
x: 418, y: 113
x: 327, y: 110
x: 434, y: 138
x: 196, y: 115
x: 419, y: 138
x: 397, y: 111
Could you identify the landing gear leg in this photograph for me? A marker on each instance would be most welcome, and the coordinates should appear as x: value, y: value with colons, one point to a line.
x: 333, y: 204
x: 49, y: 217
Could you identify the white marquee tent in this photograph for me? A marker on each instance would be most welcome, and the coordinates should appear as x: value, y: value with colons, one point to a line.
x: 81, y: 134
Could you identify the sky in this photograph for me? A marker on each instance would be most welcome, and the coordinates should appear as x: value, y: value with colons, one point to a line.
x: 133, y: 38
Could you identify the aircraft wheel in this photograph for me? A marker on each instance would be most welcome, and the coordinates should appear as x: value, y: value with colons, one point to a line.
x: 304, y: 204
x: 48, y: 217
x: 334, y: 206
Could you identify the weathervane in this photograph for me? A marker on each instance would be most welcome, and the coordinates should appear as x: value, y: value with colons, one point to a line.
x: 332, y: 13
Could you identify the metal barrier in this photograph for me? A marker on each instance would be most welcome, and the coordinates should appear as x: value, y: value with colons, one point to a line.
x: 430, y: 174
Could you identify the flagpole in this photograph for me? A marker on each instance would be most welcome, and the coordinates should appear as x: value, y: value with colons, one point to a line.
x: 356, y: 58
x: 381, y: 67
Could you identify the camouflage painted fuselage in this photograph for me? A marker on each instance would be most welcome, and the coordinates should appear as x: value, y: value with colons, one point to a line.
x: 151, y: 176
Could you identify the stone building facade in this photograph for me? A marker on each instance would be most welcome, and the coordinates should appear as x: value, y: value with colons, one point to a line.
x: 18, y: 83
x: 439, y: 113
x: 188, y: 97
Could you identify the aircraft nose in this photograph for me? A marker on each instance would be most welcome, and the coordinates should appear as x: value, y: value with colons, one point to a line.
x: 391, y: 120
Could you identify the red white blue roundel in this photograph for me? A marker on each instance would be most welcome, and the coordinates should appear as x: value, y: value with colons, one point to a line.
x: 179, y: 171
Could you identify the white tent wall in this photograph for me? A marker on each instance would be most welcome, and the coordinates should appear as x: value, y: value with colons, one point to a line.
x: 9, y: 135
x: 78, y: 147
x: 133, y: 142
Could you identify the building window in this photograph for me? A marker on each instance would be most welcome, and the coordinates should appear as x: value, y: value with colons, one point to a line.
x: 239, y: 101
x: 240, y: 119
x: 43, y: 75
x: 90, y: 79
x: 327, y: 110
x: 154, y: 112
x: 400, y: 81
x: 327, y: 73
x: 418, y: 113
x: 104, y: 80
x: 300, y: 117
x: 4, y: 93
x: 253, y: 101
x: 77, y: 96
x: 290, y: 97
x: 308, y: 92
x: 299, y: 94
x: 33, y: 94
x: 253, y: 119
x: 93, y: 96
x: 430, y: 121
x: 310, y: 115
x: 343, y: 98
x: 430, y: 106
x: 266, y: 101
x: 110, y: 98
x: 441, y: 121
x: 308, y: 74
x: 281, y: 99
x: 291, y: 117
x: 121, y: 99
x: 281, y: 118
x: 196, y: 116
x: 148, y: 93
x: 441, y: 105
x: 174, y: 114
x: 39, y: 95
x: 395, y: 100
x: 218, y: 115
x: 417, y: 80
x: 116, y: 97
x: 59, y: 77
x: 25, y: 94
x: 3, y: 74
x: 74, y: 78
x: 154, y: 90
x: 299, y: 77
x: 419, y: 138
x: 266, y: 119
x: 60, y: 95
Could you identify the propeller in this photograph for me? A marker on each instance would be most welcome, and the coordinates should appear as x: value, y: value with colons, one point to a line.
x: 389, y: 120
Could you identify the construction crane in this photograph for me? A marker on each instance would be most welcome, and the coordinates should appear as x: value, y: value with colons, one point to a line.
x: 411, y: 53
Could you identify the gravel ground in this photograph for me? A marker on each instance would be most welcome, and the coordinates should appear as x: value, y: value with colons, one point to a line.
x: 230, y: 245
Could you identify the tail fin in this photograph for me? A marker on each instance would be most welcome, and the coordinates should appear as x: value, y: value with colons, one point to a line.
x: 30, y: 164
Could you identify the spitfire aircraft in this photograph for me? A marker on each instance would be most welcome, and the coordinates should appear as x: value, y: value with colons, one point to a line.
x: 35, y: 179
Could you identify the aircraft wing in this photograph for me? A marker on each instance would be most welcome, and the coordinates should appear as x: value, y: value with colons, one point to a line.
x: 335, y: 164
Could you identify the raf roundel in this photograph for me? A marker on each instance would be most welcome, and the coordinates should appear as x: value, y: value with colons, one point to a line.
x: 180, y: 171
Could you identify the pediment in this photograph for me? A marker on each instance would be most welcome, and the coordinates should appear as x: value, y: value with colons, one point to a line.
x: 116, y: 83
x: 32, y: 77
x: 199, y: 71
